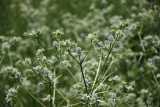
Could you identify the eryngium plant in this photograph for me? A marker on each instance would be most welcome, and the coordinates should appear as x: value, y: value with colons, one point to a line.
x: 105, y: 55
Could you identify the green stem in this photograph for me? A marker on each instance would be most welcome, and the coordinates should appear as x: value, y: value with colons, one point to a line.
x: 140, y: 38
x: 2, y: 59
x: 158, y: 99
x: 50, y: 92
x: 105, y: 63
x: 80, y: 62
x: 87, y: 53
x: 73, y: 57
x: 33, y: 96
x: 54, y: 91
x: 57, y: 58
x: 41, y: 44
x: 155, y: 79
x: 70, y: 73
x: 101, y: 83
x: 107, y: 70
x: 84, y: 78
x: 95, y: 80
x: 10, y: 60
x: 52, y: 86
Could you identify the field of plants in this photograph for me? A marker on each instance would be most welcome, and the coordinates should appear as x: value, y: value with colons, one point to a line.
x: 79, y: 53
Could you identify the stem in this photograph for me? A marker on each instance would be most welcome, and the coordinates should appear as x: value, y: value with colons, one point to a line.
x: 107, y: 70
x: 73, y: 57
x: 10, y: 60
x: 41, y: 44
x: 87, y: 53
x: 84, y: 78
x: 101, y: 83
x: 158, y: 100
x: 70, y: 73
x: 140, y: 38
x: 52, y: 86
x: 50, y: 92
x: 155, y: 79
x: 80, y: 64
x: 105, y: 63
x: 61, y: 95
x: 33, y: 96
x: 57, y: 58
x: 95, y: 80
x: 2, y: 59
x: 108, y: 55
x: 54, y: 91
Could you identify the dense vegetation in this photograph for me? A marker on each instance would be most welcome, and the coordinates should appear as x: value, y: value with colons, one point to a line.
x: 74, y: 53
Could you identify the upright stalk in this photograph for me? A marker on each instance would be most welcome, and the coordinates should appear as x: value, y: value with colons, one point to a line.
x: 80, y: 62
x: 54, y: 91
x: 32, y: 96
x: 50, y: 91
x: 2, y: 59
x: 83, y: 78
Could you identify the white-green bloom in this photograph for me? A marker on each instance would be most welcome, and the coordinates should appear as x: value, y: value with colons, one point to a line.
x: 158, y: 75
x: 27, y: 62
x: 130, y: 88
x: 144, y: 91
x: 5, y: 45
x: 91, y: 36
x: 11, y: 94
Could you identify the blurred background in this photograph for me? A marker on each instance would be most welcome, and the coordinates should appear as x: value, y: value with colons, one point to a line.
x: 78, y: 18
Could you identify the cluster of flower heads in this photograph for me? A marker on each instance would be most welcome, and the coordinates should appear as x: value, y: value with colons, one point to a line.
x: 11, y: 95
x: 101, y: 58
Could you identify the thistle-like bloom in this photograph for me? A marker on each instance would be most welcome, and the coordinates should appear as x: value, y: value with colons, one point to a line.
x: 18, y: 75
x: 100, y: 44
x: 114, y: 96
x: 95, y: 95
x: 78, y: 50
x: 111, y: 38
x: 55, y: 43
x: 46, y: 71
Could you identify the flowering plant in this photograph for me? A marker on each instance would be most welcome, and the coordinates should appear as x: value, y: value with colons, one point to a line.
x: 100, y: 56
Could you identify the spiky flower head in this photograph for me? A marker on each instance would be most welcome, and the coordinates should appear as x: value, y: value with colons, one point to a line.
x: 55, y: 43
x: 78, y: 50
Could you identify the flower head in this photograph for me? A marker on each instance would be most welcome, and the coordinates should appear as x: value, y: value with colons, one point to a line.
x: 114, y: 96
x: 78, y: 50
x: 55, y: 43
x: 100, y: 44
x: 111, y: 38
x: 46, y: 71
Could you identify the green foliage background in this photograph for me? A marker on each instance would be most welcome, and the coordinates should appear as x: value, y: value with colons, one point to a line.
x: 78, y: 18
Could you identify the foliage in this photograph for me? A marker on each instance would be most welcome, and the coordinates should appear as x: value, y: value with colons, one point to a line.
x: 74, y: 53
